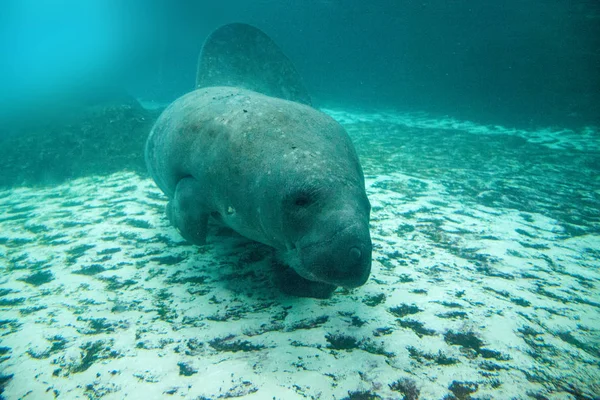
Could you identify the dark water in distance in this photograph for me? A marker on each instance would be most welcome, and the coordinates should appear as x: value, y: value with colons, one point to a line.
x: 525, y: 63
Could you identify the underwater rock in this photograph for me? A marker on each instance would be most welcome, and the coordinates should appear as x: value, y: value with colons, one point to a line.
x: 90, y: 140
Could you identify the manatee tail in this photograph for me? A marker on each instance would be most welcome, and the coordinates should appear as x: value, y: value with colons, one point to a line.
x: 244, y: 56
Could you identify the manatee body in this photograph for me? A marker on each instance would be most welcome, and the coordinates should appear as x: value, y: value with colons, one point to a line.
x: 274, y: 170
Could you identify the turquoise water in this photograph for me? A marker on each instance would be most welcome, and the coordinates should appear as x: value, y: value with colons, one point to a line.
x: 508, y: 63
x: 477, y: 130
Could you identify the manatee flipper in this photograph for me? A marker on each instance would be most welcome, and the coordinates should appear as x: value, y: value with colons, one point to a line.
x: 186, y: 213
x: 243, y: 56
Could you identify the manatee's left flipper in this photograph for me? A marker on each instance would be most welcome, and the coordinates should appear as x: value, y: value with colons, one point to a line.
x: 187, y: 212
x: 291, y: 283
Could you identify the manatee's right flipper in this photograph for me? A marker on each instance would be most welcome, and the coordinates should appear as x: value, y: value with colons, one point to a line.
x: 186, y: 211
x: 243, y: 56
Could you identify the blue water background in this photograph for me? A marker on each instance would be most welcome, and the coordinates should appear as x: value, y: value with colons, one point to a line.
x: 516, y: 63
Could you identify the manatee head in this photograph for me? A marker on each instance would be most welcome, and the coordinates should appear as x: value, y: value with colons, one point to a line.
x: 326, y: 224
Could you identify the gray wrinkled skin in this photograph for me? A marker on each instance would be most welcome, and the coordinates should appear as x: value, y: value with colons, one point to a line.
x: 275, y: 171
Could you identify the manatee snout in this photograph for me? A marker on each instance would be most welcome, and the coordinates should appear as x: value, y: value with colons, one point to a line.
x: 344, y: 260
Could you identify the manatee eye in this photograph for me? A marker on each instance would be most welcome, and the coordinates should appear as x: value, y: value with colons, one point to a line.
x: 303, y: 200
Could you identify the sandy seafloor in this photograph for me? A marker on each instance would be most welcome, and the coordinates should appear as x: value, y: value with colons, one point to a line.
x: 485, y: 282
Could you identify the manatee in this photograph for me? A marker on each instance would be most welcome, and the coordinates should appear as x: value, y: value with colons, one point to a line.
x: 246, y: 149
